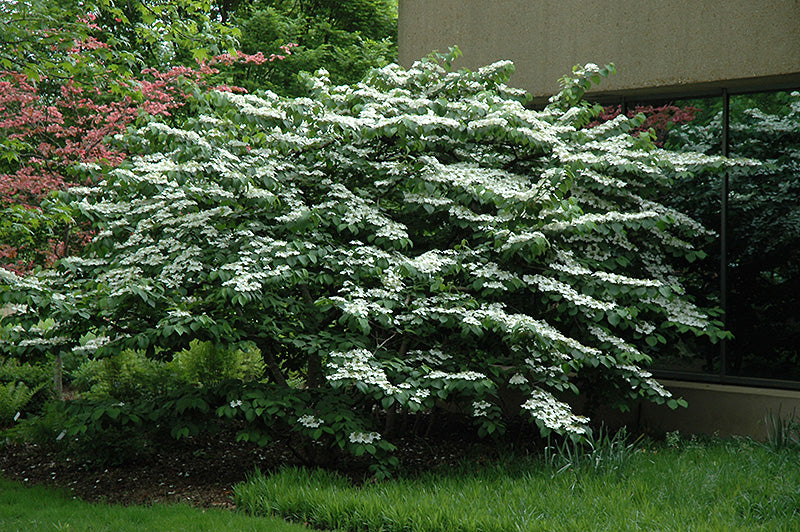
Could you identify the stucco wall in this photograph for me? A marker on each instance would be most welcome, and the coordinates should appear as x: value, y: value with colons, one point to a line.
x: 718, y: 409
x: 678, y: 45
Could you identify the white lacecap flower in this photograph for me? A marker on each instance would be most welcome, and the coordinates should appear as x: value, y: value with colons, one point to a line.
x: 517, y: 379
x: 480, y: 408
x: 235, y: 404
x: 462, y: 375
x: 554, y: 414
x: 310, y: 421
x: 364, y: 437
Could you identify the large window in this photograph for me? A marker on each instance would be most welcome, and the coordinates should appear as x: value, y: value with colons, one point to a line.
x: 752, y: 269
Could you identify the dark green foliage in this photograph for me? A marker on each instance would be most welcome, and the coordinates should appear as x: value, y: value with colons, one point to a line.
x: 105, y: 431
x: 127, y: 376
x: 345, y: 38
x: 132, y: 375
x: 24, y: 388
x: 14, y: 397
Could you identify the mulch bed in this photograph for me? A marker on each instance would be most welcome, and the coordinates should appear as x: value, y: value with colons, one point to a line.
x: 202, y: 471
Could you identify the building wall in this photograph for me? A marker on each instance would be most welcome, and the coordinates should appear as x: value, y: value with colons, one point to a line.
x: 676, y: 46
x: 714, y: 409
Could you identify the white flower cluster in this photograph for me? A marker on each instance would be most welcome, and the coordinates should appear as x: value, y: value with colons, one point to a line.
x: 360, y: 307
x: 364, y: 437
x: 92, y: 345
x: 461, y: 375
x: 480, y: 408
x: 554, y: 414
x: 680, y: 311
x: 617, y: 342
x: 310, y: 422
x: 356, y: 365
x: 547, y: 284
x: 517, y: 379
x: 645, y: 377
x: 358, y: 211
x: 522, y: 322
x: 600, y: 219
x: 567, y: 264
x: 419, y: 395
x: 43, y: 342
x: 14, y: 309
x: 493, y: 276
x: 521, y: 238
x: 433, y: 261
x: 479, y: 180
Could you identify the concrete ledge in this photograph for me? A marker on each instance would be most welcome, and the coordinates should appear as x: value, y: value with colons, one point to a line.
x: 716, y: 409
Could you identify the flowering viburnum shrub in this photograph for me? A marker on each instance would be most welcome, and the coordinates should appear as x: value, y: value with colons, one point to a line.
x: 421, y: 240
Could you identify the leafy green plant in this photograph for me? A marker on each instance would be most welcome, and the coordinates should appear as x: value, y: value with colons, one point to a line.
x: 673, y: 439
x: 346, y: 38
x: 12, y: 370
x: 24, y: 379
x: 206, y: 363
x: 14, y: 397
x: 601, y: 452
x: 129, y: 375
x: 107, y: 432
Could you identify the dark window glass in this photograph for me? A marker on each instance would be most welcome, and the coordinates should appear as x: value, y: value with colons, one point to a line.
x: 764, y: 237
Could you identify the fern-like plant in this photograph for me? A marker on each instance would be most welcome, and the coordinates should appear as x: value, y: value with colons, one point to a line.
x: 13, y: 398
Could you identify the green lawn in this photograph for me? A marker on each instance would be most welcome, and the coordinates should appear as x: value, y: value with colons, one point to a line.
x: 33, y: 509
x: 719, y: 485
x: 725, y: 486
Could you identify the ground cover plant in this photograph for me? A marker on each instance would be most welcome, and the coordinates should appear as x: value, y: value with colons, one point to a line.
x: 418, y: 243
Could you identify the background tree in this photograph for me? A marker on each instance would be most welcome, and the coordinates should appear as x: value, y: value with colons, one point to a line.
x: 345, y: 38
x: 74, y: 81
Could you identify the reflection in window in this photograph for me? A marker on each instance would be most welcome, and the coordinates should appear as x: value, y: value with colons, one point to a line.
x: 764, y: 237
x: 763, y: 231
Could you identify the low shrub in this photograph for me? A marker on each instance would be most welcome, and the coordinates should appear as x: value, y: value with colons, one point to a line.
x: 12, y: 370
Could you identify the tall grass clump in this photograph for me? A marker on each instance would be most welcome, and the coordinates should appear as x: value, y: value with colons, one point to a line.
x: 595, y: 452
x: 783, y: 432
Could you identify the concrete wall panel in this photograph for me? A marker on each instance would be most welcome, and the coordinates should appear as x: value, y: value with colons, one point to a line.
x: 714, y: 409
x: 672, y: 45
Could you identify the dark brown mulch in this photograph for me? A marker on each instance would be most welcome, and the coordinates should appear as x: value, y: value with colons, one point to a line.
x: 201, y: 472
